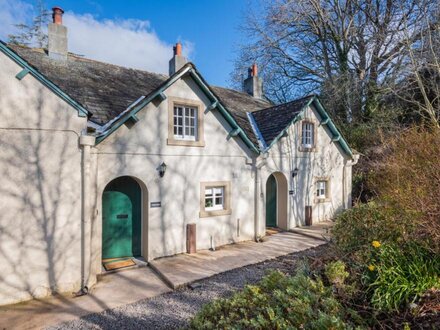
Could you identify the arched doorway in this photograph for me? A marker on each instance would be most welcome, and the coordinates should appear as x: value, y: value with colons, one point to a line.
x: 276, y: 201
x: 121, y: 219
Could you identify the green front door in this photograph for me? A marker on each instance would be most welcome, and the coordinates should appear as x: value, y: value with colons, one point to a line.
x: 271, y: 202
x: 121, y: 219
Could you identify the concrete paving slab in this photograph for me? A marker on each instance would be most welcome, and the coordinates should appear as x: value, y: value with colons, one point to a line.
x: 321, y: 230
x: 183, y: 269
x: 111, y: 291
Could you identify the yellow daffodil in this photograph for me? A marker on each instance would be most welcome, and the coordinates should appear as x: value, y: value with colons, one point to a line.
x: 371, y: 267
x: 375, y: 244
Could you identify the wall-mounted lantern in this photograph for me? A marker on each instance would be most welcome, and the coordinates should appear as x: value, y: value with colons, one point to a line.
x: 295, y: 172
x: 162, y: 169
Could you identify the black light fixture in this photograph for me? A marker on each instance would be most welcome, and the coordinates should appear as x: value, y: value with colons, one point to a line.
x: 162, y: 169
x: 295, y: 172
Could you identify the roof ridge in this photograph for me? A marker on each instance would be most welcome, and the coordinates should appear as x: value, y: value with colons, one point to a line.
x: 286, y: 103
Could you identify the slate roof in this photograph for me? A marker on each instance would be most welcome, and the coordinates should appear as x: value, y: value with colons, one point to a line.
x: 238, y: 104
x: 272, y: 121
x: 106, y: 90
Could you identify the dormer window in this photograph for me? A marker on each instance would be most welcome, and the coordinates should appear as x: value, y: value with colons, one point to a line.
x: 185, y: 123
x: 308, y: 135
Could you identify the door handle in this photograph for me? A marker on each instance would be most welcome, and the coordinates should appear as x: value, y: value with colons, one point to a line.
x: 122, y: 216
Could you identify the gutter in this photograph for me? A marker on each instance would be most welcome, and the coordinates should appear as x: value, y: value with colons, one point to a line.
x: 28, y: 69
x: 224, y: 112
x: 136, y: 106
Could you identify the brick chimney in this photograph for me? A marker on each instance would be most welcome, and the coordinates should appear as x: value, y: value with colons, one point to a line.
x: 177, y: 61
x: 253, y: 85
x: 57, y: 36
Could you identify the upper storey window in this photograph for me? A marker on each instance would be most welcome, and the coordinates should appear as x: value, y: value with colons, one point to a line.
x: 308, y: 135
x: 185, y: 123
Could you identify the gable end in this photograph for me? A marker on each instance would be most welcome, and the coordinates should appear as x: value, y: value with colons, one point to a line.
x: 28, y: 69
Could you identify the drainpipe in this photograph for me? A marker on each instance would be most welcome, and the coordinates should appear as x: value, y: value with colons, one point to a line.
x: 256, y: 169
x: 344, y: 185
x: 86, y: 142
x: 256, y: 183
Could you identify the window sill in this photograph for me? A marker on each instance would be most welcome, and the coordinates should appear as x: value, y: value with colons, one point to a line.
x: 214, y: 213
x: 185, y: 143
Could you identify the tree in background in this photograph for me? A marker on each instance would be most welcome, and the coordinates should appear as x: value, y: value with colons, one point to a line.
x: 34, y: 34
x: 351, y: 52
x: 418, y: 90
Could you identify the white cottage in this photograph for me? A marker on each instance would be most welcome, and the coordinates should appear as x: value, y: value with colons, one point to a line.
x: 101, y: 162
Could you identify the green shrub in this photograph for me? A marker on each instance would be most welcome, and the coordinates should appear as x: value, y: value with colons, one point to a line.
x: 356, y: 228
x: 277, y: 302
x: 402, y: 274
x: 335, y: 272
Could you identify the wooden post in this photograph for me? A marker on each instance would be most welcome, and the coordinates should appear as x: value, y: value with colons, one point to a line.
x: 191, y: 238
x: 308, y: 215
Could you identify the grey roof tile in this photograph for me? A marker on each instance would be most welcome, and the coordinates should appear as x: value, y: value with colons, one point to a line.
x: 106, y: 90
x: 272, y: 121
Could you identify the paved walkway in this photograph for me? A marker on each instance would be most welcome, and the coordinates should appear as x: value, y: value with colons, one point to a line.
x: 132, y: 285
x: 182, y: 269
x: 320, y: 230
x: 112, y: 290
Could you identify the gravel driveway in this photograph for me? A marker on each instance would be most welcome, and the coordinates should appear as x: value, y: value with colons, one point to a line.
x: 174, y: 309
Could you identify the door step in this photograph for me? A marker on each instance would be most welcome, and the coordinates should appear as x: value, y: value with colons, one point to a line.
x: 137, y: 263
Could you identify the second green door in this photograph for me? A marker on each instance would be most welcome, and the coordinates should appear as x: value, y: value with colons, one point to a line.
x: 271, y: 202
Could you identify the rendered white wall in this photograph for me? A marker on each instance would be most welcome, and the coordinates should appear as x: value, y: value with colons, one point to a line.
x: 326, y: 161
x: 139, y: 151
x: 40, y: 166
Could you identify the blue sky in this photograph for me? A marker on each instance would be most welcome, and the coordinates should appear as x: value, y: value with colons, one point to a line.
x: 208, y: 29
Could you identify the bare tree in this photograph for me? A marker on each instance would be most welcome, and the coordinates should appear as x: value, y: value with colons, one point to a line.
x: 419, y: 85
x: 33, y: 34
x: 349, y: 51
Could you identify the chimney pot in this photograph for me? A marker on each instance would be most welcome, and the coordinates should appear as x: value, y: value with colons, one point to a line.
x: 57, y: 15
x: 254, y: 70
x: 178, y: 49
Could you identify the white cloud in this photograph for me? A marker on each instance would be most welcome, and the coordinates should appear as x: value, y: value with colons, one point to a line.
x: 127, y: 42
x: 13, y: 12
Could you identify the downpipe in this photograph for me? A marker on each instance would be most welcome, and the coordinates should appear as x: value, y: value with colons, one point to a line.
x: 86, y: 142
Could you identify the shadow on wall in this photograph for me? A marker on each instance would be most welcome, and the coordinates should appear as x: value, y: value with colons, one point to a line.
x: 139, y: 151
x: 40, y: 205
x: 311, y: 165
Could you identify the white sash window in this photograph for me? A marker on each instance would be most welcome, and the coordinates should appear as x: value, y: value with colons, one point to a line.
x: 321, y: 189
x: 185, y: 123
x: 308, y: 132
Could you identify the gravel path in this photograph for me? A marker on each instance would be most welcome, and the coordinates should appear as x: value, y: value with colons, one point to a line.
x: 174, y: 309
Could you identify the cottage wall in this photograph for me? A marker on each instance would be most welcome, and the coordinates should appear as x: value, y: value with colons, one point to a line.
x: 45, y: 246
x: 138, y: 151
x: 327, y: 161
x: 40, y: 204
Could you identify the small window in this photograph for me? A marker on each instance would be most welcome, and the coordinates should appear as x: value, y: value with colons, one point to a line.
x: 308, y: 132
x: 214, y: 198
x: 185, y: 123
x: 321, y: 189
